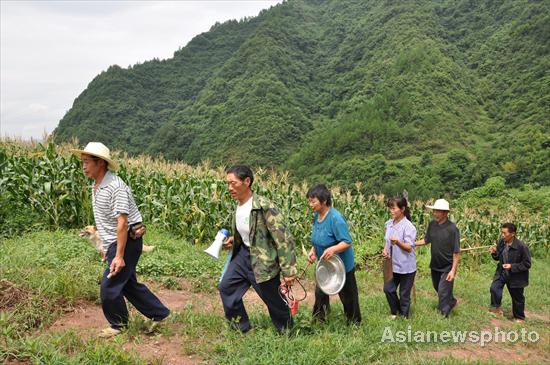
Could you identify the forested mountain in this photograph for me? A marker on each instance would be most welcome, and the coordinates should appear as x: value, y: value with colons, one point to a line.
x: 431, y: 96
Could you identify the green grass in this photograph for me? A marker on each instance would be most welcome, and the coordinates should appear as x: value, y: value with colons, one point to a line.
x: 57, y: 268
x: 67, y: 349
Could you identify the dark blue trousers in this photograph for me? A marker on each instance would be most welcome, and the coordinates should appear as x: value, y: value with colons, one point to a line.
x: 399, y: 305
x: 518, y: 299
x: 444, y: 291
x: 237, y: 280
x: 125, y: 284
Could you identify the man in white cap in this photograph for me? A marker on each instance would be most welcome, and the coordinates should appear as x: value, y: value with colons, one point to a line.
x: 445, y: 251
x: 116, y: 215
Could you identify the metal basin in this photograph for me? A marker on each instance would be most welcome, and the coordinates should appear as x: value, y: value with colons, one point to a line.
x: 330, y: 275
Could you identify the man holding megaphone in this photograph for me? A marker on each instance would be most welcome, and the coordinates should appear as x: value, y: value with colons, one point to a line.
x: 262, y: 249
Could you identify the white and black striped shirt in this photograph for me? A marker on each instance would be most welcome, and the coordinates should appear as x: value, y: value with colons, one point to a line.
x: 112, y: 198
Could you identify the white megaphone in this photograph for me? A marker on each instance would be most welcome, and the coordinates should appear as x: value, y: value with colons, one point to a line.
x: 215, y: 247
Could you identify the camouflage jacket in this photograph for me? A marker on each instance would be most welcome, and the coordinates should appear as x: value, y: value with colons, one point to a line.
x: 272, y: 247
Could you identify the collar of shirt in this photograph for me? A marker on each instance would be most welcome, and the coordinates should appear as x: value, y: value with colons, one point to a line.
x: 514, y: 244
x: 106, y: 180
x: 393, y: 224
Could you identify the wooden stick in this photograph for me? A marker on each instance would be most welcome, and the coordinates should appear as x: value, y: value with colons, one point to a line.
x: 475, y: 248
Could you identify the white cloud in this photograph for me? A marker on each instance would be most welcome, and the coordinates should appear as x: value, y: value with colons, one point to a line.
x: 51, y: 50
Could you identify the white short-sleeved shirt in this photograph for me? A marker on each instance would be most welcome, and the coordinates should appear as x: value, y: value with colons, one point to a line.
x: 111, y: 199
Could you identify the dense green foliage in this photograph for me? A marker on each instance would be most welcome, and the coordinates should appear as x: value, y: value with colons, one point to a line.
x: 44, y: 186
x: 430, y: 96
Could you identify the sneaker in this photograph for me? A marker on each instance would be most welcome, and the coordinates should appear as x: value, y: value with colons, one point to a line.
x: 498, y: 312
x: 109, y: 332
x: 519, y: 320
x: 393, y: 316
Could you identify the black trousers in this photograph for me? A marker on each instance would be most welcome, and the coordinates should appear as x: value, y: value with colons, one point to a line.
x: 444, y: 291
x: 237, y: 280
x: 518, y: 299
x: 348, y: 295
x: 125, y: 284
x: 399, y: 305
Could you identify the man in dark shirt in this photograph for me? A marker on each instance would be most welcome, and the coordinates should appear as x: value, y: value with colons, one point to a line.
x: 514, y: 261
x: 445, y: 251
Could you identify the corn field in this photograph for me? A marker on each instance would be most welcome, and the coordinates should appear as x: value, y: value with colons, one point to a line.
x: 45, y: 183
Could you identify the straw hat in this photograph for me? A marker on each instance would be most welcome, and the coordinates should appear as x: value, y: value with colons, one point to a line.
x: 98, y: 149
x: 440, y: 204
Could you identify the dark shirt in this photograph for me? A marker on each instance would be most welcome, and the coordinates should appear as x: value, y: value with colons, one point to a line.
x: 505, y: 253
x: 445, y: 241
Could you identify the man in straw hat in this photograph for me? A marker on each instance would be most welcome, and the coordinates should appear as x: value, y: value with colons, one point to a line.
x: 445, y: 251
x: 116, y: 214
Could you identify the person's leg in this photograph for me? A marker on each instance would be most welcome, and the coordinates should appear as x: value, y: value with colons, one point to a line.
x: 321, y: 307
x: 390, y: 289
x: 349, y: 296
x: 232, y: 289
x: 496, y: 293
x: 138, y: 294
x: 110, y: 293
x: 407, y: 282
x: 445, y: 294
x: 436, y: 276
x: 277, y: 307
x: 518, y: 302
x: 144, y: 300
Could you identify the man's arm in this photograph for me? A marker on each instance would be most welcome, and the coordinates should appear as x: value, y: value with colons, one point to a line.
x: 427, y: 237
x: 421, y: 242
x: 451, y: 275
x: 456, y: 256
x: 121, y: 237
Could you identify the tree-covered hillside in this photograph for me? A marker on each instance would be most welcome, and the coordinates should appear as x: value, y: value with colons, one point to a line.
x: 429, y: 96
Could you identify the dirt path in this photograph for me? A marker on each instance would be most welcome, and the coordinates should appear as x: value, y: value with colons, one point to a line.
x: 87, y: 319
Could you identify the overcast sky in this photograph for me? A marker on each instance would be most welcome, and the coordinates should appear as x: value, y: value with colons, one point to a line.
x: 51, y: 50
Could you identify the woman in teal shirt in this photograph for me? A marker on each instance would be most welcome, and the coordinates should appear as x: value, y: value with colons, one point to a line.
x: 330, y: 236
